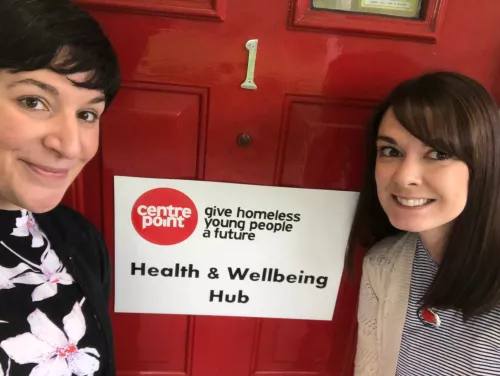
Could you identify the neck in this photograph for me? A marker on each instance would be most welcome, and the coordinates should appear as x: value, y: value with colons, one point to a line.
x: 435, y: 242
x: 6, y: 205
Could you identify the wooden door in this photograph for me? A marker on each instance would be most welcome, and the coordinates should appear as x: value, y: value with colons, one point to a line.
x: 321, y: 67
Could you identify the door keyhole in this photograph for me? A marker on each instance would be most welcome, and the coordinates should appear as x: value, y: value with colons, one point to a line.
x: 244, y: 140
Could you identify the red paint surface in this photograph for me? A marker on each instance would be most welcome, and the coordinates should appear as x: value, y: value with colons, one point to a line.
x: 181, y: 109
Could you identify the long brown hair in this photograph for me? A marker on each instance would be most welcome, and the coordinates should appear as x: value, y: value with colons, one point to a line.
x: 456, y: 115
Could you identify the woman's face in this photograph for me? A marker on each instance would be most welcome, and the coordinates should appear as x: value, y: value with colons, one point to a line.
x: 420, y: 189
x: 49, y: 130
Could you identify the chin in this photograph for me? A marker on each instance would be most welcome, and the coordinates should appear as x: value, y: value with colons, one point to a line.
x: 410, y: 226
x: 40, y: 208
x: 41, y: 205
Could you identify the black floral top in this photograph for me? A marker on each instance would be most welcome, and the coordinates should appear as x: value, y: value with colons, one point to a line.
x: 45, y: 326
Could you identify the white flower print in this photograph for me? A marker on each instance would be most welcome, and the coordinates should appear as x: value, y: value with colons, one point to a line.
x: 54, y: 273
x: 26, y: 225
x: 8, y: 275
x: 6, y: 371
x: 55, y: 352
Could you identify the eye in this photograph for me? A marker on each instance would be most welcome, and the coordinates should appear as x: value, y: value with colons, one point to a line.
x: 388, y: 151
x: 32, y: 103
x: 88, y: 116
x: 439, y: 155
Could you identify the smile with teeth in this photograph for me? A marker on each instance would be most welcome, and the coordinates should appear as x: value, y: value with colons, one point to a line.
x: 413, y: 201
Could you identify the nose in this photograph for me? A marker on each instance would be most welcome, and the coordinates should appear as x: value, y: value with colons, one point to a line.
x: 408, y: 172
x: 64, y: 136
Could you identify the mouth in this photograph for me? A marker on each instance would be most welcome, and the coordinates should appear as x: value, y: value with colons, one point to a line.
x: 413, y: 202
x: 47, y: 171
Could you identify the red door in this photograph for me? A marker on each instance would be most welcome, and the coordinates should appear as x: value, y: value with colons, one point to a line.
x: 182, y: 111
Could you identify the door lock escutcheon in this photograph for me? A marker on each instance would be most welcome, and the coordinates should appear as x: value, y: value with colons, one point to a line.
x: 244, y: 140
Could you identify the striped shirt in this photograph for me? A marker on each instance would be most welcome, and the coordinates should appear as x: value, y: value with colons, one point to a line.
x: 455, y: 348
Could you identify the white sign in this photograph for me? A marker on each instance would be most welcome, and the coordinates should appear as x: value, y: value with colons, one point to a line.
x: 203, y: 248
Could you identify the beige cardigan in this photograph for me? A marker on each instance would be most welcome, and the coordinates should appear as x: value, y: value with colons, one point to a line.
x: 383, y: 302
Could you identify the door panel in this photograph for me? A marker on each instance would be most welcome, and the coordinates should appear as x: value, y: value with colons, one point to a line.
x: 323, y: 143
x: 210, y: 9
x: 425, y: 27
x: 159, y: 124
x: 151, y: 343
x: 319, y: 74
x: 223, y: 346
x: 164, y: 125
x: 288, y: 347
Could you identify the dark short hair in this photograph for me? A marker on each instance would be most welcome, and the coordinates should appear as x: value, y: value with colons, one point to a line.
x: 456, y: 115
x: 59, y: 36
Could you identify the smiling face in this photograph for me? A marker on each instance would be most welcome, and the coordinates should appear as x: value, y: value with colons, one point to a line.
x: 420, y: 189
x: 49, y: 130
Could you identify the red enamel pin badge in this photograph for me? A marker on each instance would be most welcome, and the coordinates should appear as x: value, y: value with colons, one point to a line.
x: 429, y: 317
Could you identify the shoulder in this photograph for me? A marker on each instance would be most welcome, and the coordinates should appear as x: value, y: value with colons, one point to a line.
x: 388, y: 248
x: 72, y: 219
x: 69, y: 214
x: 66, y: 224
x: 80, y: 243
x: 384, y: 255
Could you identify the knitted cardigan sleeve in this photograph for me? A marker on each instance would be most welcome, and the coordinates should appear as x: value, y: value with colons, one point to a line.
x: 383, y: 300
x: 366, y: 363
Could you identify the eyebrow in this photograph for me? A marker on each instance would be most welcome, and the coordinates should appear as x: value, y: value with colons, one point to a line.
x: 388, y: 139
x: 49, y: 88
x: 29, y: 81
x: 98, y: 100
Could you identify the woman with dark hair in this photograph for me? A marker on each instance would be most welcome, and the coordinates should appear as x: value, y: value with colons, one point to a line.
x: 58, y: 74
x: 429, y: 211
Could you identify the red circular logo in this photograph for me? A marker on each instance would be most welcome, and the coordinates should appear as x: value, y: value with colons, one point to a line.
x: 164, y: 216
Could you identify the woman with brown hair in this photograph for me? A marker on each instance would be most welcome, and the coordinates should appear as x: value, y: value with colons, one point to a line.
x: 429, y: 211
